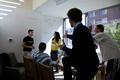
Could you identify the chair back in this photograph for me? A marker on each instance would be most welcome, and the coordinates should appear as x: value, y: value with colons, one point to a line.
x: 30, y: 69
x: 45, y: 72
x: 5, y: 59
x: 13, y: 59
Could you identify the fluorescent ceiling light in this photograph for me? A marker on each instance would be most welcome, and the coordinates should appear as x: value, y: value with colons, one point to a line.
x: 8, y: 10
x: 1, y: 17
x: 21, y: 0
x: 10, y: 2
x: 5, y: 14
x: 7, y: 6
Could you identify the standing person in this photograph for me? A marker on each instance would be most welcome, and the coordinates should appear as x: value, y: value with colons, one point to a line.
x: 55, y: 45
x: 83, y: 56
x: 109, y: 50
x: 28, y: 42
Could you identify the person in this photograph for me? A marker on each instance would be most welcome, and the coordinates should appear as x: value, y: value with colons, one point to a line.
x: 27, y: 45
x: 43, y: 58
x: 55, y: 46
x: 109, y: 50
x: 83, y: 56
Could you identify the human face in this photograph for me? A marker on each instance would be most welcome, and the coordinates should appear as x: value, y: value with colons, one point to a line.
x: 30, y: 33
x: 97, y: 30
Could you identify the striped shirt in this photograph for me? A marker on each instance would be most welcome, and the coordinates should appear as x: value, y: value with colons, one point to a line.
x: 42, y: 58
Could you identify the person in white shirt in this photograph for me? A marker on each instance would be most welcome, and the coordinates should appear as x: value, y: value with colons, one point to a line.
x: 109, y: 50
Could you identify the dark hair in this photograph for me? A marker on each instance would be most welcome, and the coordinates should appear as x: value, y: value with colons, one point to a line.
x: 57, y: 36
x: 42, y: 46
x: 101, y: 27
x: 75, y: 14
x: 30, y: 30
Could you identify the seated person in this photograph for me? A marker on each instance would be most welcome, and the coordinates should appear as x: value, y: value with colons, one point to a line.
x: 42, y: 57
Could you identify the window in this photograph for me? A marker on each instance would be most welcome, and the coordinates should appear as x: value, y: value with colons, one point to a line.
x: 92, y: 14
x: 103, y: 12
x: 104, y: 20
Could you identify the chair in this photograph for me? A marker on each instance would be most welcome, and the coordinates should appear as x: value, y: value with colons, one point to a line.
x: 14, y: 61
x: 30, y: 69
x: 10, y: 70
x: 45, y: 72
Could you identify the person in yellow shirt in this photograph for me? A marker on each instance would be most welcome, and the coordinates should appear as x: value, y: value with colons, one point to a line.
x: 55, y: 46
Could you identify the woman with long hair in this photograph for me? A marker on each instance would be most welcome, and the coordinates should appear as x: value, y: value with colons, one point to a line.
x: 55, y: 45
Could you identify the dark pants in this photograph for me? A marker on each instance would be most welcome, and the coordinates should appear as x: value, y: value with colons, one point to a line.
x: 118, y: 75
x: 112, y: 69
x: 54, y: 57
x: 84, y: 71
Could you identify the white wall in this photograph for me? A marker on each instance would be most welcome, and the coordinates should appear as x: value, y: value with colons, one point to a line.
x: 16, y: 24
x: 37, y: 3
x: 60, y: 10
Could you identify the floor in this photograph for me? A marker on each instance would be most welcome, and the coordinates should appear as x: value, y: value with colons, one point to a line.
x: 59, y: 76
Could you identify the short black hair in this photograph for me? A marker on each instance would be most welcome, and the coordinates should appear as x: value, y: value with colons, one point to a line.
x: 75, y: 14
x: 30, y: 30
x: 42, y: 46
x: 101, y: 27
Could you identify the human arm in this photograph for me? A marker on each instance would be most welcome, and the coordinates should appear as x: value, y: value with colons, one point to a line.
x: 26, y: 46
x: 28, y: 42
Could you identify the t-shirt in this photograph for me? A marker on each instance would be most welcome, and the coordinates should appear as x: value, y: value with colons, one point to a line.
x: 29, y: 42
x: 55, y: 45
x: 43, y: 58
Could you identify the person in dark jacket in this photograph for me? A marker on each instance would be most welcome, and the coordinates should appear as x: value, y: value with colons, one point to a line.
x: 83, y: 56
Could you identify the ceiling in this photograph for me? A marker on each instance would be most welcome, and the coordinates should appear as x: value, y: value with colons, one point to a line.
x: 59, y: 8
x: 8, y: 6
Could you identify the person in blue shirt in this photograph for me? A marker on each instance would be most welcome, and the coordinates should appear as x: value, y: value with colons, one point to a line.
x: 44, y: 58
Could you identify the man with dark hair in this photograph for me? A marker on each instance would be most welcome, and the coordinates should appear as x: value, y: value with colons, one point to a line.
x: 42, y: 46
x: 83, y: 56
x: 44, y: 58
x: 28, y: 42
x: 109, y: 50
x: 99, y: 28
x: 30, y: 30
